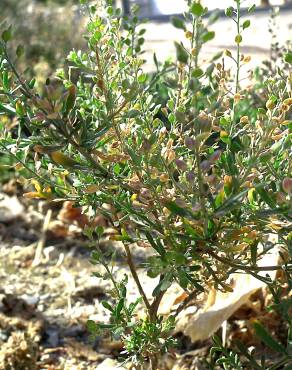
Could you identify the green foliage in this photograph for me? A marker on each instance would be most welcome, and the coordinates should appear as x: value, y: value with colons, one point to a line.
x: 190, y: 164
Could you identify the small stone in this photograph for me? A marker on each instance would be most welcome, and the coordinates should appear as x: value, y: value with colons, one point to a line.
x: 30, y: 300
x: 74, y: 331
x: 10, y: 208
x: 108, y: 364
x: 53, y: 337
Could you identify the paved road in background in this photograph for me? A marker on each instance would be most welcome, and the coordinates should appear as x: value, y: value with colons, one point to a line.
x: 160, y: 37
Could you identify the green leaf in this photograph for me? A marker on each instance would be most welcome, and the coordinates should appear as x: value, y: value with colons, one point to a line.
x: 225, y: 137
x: 70, y: 102
x: 183, y: 279
x: 32, y: 83
x: 181, y: 53
x: 133, y: 113
x: 191, y: 231
x: 197, y: 73
x: 142, y: 78
x: 231, y: 202
x: 178, y: 23
x: 117, y: 169
x: 214, y: 58
x: 19, y: 51
x: 99, y: 230
x: 5, y: 80
x: 166, y: 283
x: 229, y: 11
x: 107, y: 306
x: 123, y: 290
x: 119, y: 307
x: 163, y: 285
x: 133, y: 305
x: 288, y: 367
x: 208, y: 36
x: 105, y: 326
x: 7, y: 34
x: 135, y: 158
x: 156, y: 245
x: 197, y: 9
x: 251, y: 9
x: 92, y: 326
x: 267, y: 339
x: 19, y: 109
x: 156, y: 61
x: 176, y: 210
x: 214, y: 16
x: 265, y: 196
x: 176, y: 257
x: 6, y: 109
x: 246, y: 24
x: 288, y: 58
x: 219, y: 199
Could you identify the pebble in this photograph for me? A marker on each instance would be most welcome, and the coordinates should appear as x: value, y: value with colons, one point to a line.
x: 30, y: 299
x: 53, y: 337
x: 74, y: 331
x: 10, y: 208
x: 108, y: 364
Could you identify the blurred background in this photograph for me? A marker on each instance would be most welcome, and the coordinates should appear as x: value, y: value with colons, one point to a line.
x: 160, y: 7
x: 49, y: 29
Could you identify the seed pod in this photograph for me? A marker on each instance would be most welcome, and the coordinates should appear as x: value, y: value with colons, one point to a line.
x: 194, y: 52
x: 238, y: 39
x: 270, y: 104
x: 237, y: 98
x: 284, y: 108
x: 181, y: 203
x: 63, y: 160
x: 287, y: 185
x: 181, y: 165
x: 228, y: 53
x: 281, y: 198
x: 190, y: 176
x: 288, y: 101
x: 205, y: 165
x: 244, y: 120
x: 188, y: 34
x: 247, y: 59
x: 190, y: 143
x: 163, y: 177
x: 215, y: 156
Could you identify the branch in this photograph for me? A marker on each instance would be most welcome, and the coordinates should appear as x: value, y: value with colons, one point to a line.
x: 239, y: 266
x: 136, y: 278
x: 155, y: 305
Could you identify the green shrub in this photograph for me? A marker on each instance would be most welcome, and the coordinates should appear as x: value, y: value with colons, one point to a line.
x: 194, y: 166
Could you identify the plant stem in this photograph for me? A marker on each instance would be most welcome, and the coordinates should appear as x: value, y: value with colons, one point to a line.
x: 136, y: 278
x: 239, y: 266
x: 153, y: 362
x: 238, y: 47
x: 155, y: 305
x: 237, y: 61
x: 26, y: 91
x: 201, y: 190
